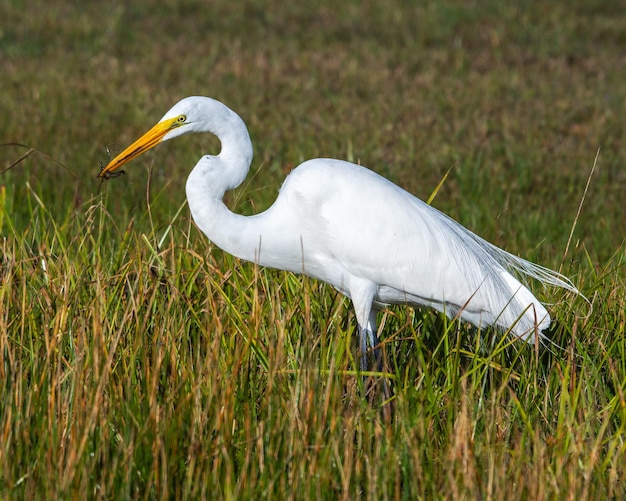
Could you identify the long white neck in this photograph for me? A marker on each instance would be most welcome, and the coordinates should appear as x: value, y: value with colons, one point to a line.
x: 235, y: 156
x: 252, y: 238
x: 214, y: 175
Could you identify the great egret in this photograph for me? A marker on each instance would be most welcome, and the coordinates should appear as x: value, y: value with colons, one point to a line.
x: 346, y: 225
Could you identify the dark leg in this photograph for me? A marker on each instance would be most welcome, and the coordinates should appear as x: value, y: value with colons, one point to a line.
x: 370, y: 351
x: 368, y: 344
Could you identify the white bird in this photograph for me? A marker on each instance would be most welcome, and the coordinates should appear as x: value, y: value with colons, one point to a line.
x: 348, y: 226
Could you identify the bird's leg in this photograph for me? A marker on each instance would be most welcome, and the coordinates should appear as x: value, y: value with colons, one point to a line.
x: 364, y: 335
x: 370, y: 349
x: 368, y: 344
x: 363, y: 298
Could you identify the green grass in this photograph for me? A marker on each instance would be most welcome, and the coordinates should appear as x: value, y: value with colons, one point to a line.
x: 139, y: 361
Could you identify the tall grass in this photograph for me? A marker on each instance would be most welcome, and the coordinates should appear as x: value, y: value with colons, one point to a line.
x: 139, y: 361
x: 137, y: 369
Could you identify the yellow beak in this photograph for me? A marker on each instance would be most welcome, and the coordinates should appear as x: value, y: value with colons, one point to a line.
x: 143, y: 144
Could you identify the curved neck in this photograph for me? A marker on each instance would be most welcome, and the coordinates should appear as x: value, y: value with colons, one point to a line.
x: 236, y: 156
x: 246, y: 237
x: 208, y: 181
x: 236, y: 147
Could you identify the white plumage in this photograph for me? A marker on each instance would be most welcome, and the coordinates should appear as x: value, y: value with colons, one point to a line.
x: 348, y: 226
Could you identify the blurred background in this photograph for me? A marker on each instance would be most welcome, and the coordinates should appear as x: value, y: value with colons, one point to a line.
x: 513, y: 99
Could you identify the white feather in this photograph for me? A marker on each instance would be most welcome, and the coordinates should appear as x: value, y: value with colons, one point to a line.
x: 348, y: 226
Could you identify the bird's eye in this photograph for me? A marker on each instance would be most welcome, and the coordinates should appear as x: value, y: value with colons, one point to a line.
x: 181, y: 119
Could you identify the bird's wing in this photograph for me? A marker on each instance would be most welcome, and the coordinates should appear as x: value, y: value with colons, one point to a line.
x: 378, y: 231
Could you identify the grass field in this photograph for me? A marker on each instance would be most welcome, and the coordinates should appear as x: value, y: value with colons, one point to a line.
x: 138, y: 361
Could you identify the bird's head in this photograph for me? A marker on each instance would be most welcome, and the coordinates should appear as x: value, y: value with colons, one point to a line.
x: 185, y: 117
